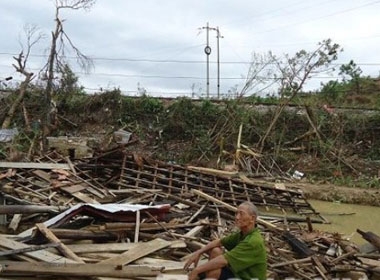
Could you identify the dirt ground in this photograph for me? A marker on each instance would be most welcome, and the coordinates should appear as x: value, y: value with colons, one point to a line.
x: 330, y: 192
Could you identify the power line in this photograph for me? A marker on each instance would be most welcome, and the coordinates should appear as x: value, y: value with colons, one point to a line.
x: 121, y: 75
x: 183, y: 61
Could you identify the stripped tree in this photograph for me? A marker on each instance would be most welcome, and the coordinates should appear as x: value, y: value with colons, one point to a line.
x: 294, y: 72
x: 56, y: 60
x: 33, y: 35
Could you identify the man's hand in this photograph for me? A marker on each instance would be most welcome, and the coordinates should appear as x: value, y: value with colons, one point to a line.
x: 193, y: 259
x: 193, y: 275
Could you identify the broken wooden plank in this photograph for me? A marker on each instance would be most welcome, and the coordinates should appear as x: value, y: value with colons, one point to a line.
x: 72, y: 234
x: 41, y: 255
x: 28, y: 249
x: 321, y: 269
x: 74, y: 191
x: 196, y: 230
x: 196, y: 214
x: 71, y: 165
x: 213, y: 171
x: 115, y: 247
x: 42, y: 174
x: 97, y: 257
x: 371, y: 237
x: 13, y: 225
x: 85, y: 198
x: 297, y: 261
x: 297, y: 245
x: 33, y: 165
x: 137, y: 252
x: 30, y: 209
x: 369, y: 262
x: 77, y: 270
x: 74, y: 188
x: 137, y: 228
x: 171, y: 276
x: 170, y: 265
x: 62, y: 247
x: 144, y: 226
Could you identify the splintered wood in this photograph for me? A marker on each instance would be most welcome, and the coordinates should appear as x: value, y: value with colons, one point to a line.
x: 43, y: 237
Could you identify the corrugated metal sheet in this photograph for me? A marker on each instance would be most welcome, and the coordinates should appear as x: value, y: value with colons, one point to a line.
x: 7, y: 135
x: 119, y: 212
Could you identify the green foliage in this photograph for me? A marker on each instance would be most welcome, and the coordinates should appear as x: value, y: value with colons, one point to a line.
x: 187, y: 120
x: 363, y: 182
x: 351, y: 70
x: 68, y: 90
x: 268, y: 99
x: 352, y: 90
x: 144, y: 109
x: 299, y: 68
x: 333, y: 91
x: 149, y: 105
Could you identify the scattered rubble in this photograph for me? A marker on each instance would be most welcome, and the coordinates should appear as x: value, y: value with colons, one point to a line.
x: 119, y: 215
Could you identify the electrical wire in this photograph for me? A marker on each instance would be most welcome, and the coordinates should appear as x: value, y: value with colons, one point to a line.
x: 124, y: 59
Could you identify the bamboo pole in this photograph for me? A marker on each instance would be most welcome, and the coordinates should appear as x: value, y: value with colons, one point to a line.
x: 232, y: 208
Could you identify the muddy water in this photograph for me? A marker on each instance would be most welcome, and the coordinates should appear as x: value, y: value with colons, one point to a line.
x: 346, y: 218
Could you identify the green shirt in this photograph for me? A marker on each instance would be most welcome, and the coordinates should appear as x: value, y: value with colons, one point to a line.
x: 246, y: 255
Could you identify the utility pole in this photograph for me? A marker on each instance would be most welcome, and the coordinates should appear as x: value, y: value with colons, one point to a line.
x: 218, y: 60
x: 207, y: 50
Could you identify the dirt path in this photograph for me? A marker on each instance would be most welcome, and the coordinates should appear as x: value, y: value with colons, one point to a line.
x: 327, y: 192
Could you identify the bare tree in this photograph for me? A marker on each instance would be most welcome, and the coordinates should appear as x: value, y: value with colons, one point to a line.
x: 33, y: 35
x: 295, y: 71
x: 261, y: 74
x: 56, y: 60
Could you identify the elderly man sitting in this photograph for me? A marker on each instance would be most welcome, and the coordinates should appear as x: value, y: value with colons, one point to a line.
x: 245, y: 255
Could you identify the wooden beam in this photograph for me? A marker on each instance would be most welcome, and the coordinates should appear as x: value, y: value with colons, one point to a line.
x: 196, y: 230
x: 34, y: 165
x: 77, y: 270
x: 29, y: 249
x: 371, y: 237
x: 30, y: 209
x: 170, y: 265
x: 61, y: 247
x: 137, y: 252
x: 15, y: 222
x: 297, y: 261
x: 80, y: 234
x: 41, y: 255
x: 115, y: 247
x: 137, y: 228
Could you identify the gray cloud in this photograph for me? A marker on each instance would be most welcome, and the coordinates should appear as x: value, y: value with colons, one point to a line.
x: 136, y: 39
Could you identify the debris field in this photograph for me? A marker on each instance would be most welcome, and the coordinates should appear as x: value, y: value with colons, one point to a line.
x: 118, y: 215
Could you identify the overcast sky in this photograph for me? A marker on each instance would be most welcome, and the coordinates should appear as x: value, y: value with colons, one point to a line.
x: 158, y: 44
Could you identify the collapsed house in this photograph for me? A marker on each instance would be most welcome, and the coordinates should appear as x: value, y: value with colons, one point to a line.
x: 119, y: 215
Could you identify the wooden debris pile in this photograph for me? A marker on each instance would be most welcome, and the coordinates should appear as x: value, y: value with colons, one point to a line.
x: 123, y: 216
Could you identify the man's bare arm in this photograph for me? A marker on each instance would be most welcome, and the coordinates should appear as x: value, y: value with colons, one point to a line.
x: 213, y: 264
x: 194, y: 258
